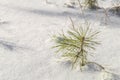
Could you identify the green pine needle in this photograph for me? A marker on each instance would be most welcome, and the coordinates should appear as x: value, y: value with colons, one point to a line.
x: 76, y: 44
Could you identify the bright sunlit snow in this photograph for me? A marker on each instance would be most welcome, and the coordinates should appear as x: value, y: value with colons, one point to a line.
x: 26, y: 27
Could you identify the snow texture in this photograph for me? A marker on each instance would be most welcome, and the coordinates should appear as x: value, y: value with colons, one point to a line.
x: 25, y: 42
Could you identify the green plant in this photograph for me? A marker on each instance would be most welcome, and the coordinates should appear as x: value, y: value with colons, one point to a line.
x: 76, y: 44
x: 92, y: 4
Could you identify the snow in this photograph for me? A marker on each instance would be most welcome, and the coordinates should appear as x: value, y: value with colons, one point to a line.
x: 25, y: 42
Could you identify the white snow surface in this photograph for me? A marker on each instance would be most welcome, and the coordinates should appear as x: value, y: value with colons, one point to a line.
x: 25, y: 42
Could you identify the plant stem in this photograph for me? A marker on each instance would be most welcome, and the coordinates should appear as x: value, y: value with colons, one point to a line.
x: 81, y: 53
x: 80, y: 6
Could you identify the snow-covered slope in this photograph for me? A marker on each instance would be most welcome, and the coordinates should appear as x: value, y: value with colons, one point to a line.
x: 25, y: 29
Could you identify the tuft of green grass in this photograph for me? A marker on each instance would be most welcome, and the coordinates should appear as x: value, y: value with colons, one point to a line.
x: 76, y: 44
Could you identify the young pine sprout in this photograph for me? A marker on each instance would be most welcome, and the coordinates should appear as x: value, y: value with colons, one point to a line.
x: 92, y: 4
x: 76, y: 44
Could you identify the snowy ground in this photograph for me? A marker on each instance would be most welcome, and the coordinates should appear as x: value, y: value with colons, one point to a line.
x: 25, y: 26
